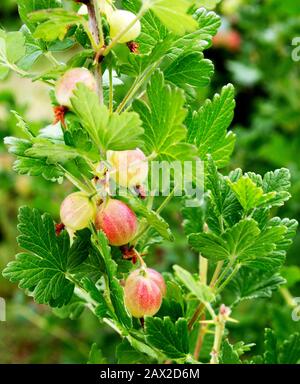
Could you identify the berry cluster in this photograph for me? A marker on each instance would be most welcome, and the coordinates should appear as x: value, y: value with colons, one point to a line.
x: 144, y: 288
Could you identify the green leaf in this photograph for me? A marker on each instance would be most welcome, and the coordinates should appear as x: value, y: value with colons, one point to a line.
x: 153, y: 219
x: 228, y: 354
x: 54, y: 23
x: 12, y: 48
x: 72, y: 310
x: 25, y: 165
x: 200, y: 290
x: 173, y: 14
x: 207, y: 128
x: 126, y: 354
x: 201, y: 38
x: 223, y: 208
x: 278, y: 181
x: 173, y: 301
x: 115, y: 132
x: 170, y: 338
x: 289, y: 352
x: 291, y: 273
x: 15, y: 46
x: 193, y: 219
x: 249, y: 194
x: 45, y: 266
x: 26, y: 7
x: 243, y: 242
x: 96, y: 356
x: 163, y: 120
x: 116, y: 290
x: 53, y: 152
x: 271, y: 353
x: 33, y: 49
x: 251, y: 284
x: 153, y: 31
x: 4, y: 71
x: 190, y: 69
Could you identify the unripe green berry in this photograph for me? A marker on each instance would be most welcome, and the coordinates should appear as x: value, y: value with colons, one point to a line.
x: 119, y: 20
x: 77, y: 211
x: 68, y: 82
x: 143, y: 292
x: 117, y: 221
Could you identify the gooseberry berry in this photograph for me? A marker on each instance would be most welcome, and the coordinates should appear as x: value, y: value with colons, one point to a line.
x: 130, y: 168
x: 117, y: 221
x: 68, y: 82
x: 77, y: 211
x: 143, y: 292
x: 118, y: 21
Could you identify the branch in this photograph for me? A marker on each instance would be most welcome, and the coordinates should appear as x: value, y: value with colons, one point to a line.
x: 94, y: 27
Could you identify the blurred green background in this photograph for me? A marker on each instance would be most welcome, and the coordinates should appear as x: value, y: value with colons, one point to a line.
x: 253, y: 50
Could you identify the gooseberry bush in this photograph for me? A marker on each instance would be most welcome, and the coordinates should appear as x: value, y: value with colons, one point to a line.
x: 130, y: 94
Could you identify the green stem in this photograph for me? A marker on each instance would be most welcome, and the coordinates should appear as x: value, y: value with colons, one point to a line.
x: 139, y: 81
x: 145, y: 228
x: 229, y: 278
x: 52, y: 59
x: 76, y: 182
x: 99, y: 22
x: 203, y: 266
x: 111, y: 90
x: 289, y: 299
x: 219, y: 332
x: 95, y: 26
x: 166, y: 201
x: 216, y: 273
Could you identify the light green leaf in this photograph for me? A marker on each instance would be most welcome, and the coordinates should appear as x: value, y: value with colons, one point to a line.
x: 26, y: 7
x: 249, y: 194
x: 173, y: 14
x: 207, y: 128
x: 12, y: 48
x: 200, y: 290
x: 54, y: 23
x: 115, y: 132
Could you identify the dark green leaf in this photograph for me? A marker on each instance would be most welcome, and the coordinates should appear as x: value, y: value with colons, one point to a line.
x: 170, y: 338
